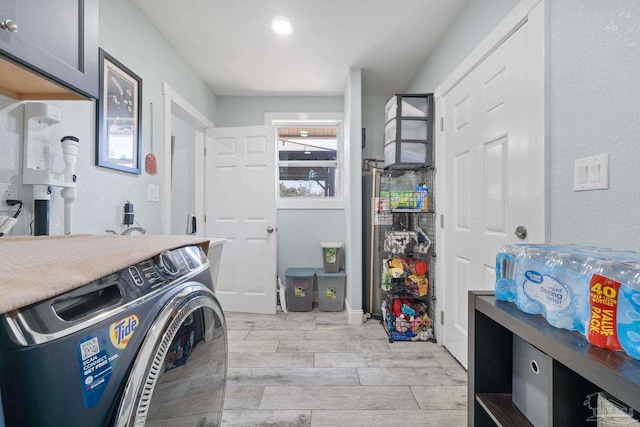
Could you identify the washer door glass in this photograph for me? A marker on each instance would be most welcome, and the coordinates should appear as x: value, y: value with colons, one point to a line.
x: 191, y: 383
x: 185, y: 376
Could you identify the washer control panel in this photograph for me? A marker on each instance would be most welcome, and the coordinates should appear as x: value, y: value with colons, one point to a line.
x: 164, y: 268
x: 110, y: 292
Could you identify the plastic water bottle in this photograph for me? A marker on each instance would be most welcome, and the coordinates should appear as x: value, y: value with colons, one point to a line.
x: 595, y: 291
x: 419, y: 198
x: 530, y: 272
x: 551, y: 288
x: 509, y: 272
x: 425, y: 197
x: 589, y: 265
x: 628, y: 319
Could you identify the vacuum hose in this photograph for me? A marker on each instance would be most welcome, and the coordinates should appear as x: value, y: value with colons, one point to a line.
x: 69, y: 194
x: 41, y: 221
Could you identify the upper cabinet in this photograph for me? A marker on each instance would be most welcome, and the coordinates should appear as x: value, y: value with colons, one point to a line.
x: 49, y: 49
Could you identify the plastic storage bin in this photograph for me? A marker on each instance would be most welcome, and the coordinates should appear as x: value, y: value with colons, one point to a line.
x: 331, y: 256
x: 412, y: 106
x: 410, y: 152
x: 411, y: 129
x: 330, y: 290
x: 408, y: 131
x: 300, y: 288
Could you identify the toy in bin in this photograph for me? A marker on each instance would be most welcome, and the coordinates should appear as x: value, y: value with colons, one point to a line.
x: 594, y: 291
x: 406, y: 242
x: 405, y: 276
x: 406, y: 319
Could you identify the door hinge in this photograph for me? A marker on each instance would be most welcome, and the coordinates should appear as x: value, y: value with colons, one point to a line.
x: 441, y: 220
x: 442, y: 317
x: 205, y: 218
x: 205, y: 150
x: 441, y: 124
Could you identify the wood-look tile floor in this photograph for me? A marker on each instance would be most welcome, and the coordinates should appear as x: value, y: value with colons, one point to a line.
x: 314, y: 369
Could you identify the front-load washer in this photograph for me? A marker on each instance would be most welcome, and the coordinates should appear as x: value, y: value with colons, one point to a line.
x: 146, y: 345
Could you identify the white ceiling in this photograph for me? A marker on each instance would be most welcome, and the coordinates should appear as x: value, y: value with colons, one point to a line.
x: 230, y: 44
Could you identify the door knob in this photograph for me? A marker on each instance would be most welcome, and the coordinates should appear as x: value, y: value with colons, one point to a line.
x: 9, y: 25
x: 269, y: 229
x: 521, y: 232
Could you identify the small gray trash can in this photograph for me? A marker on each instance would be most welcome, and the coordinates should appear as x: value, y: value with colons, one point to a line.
x: 300, y: 288
x: 331, y: 256
x: 331, y: 290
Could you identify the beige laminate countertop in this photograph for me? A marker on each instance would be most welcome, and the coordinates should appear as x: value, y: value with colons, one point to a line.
x: 33, y: 269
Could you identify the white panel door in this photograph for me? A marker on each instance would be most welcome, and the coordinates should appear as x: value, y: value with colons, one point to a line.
x: 493, y: 171
x: 241, y: 207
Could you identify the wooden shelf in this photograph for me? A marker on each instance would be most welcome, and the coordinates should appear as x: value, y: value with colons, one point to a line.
x: 578, y: 369
x: 502, y: 410
x: 19, y: 83
x: 604, y: 368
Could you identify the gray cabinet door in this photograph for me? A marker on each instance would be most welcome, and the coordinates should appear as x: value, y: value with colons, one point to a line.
x: 57, y: 39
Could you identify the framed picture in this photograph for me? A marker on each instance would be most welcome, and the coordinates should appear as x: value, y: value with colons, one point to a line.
x: 119, y: 117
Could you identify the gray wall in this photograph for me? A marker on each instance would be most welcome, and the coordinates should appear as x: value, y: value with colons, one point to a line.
x: 353, y: 192
x: 183, y: 196
x: 595, y: 109
x: 249, y: 110
x: 475, y: 21
x: 594, y: 100
x: 373, y: 122
x: 127, y: 35
x: 300, y: 231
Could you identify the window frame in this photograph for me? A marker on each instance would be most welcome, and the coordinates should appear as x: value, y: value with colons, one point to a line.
x: 278, y: 120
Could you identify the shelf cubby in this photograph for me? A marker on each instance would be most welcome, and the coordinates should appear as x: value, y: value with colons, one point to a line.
x: 577, y: 370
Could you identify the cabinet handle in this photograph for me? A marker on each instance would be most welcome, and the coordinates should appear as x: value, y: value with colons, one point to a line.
x: 9, y: 25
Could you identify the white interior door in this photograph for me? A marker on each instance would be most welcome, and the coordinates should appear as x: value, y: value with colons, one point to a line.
x: 241, y: 207
x: 494, y: 173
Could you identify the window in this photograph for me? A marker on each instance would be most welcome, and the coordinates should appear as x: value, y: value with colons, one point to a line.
x: 309, y: 159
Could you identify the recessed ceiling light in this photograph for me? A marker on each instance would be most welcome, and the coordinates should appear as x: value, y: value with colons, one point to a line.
x: 281, y: 25
x: 304, y: 133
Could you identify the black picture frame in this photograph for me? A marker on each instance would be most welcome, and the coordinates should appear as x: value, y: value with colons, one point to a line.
x: 119, y: 117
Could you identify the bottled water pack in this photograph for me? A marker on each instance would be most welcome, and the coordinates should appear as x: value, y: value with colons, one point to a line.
x: 594, y: 291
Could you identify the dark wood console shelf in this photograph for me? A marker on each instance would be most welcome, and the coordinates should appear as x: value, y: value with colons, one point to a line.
x: 502, y: 410
x: 576, y: 369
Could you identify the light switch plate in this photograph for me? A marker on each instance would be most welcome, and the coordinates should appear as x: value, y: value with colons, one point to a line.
x: 153, y: 193
x: 591, y: 173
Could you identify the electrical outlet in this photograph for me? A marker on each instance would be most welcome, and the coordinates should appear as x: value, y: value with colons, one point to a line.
x: 7, y: 192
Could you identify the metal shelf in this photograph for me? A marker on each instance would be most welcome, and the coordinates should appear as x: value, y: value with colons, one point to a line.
x: 408, y: 219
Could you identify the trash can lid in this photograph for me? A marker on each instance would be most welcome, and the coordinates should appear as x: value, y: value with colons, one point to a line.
x: 321, y: 273
x: 300, y: 272
x: 331, y: 244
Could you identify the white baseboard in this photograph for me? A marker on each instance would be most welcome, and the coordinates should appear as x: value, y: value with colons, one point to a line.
x: 356, y: 317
